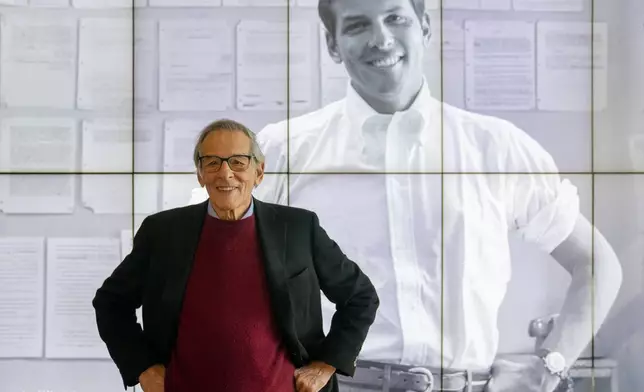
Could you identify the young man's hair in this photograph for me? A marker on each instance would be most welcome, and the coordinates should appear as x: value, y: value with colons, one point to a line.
x: 328, y: 18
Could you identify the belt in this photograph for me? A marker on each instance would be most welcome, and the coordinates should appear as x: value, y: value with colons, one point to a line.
x: 387, y: 377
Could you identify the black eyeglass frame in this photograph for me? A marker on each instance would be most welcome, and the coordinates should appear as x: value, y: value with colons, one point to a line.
x: 249, y: 157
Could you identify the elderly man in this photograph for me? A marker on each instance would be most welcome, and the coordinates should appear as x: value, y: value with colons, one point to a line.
x: 230, y: 289
x: 423, y: 196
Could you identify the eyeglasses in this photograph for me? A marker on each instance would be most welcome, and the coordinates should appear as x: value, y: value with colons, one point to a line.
x: 212, y: 163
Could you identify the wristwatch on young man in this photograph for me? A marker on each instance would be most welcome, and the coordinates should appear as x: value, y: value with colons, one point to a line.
x: 555, y: 364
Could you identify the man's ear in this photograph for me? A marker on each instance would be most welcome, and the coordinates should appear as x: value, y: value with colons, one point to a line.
x: 260, y: 174
x: 426, y: 27
x: 200, y: 179
x: 332, y: 47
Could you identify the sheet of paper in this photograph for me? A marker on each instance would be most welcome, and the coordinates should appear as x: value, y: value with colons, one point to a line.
x: 11, y: 2
x: 266, y: 70
x: 307, y: 3
x: 144, y: 65
x: 432, y: 4
x: 38, y: 194
x: 38, y: 62
x: 146, y: 193
x: 107, y: 145
x: 22, y: 266
x: 179, y: 138
x: 184, y: 3
x: 177, y: 190
x: 102, y: 3
x: 334, y: 79
x: 195, y: 65
x: 76, y: 267
x: 258, y: 3
x: 499, y: 65
x: 107, y: 193
x: 38, y: 144
x: 49, y: 3
x: 147, y: 144
x: 548, y: 5
x: 572, y: 71
x: 105, y: 64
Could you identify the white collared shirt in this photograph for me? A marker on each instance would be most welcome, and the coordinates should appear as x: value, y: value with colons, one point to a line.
x: 422, y: 238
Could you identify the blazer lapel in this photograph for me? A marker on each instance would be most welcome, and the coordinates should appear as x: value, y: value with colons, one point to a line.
x: 181, y: 261
x: 272, y: 235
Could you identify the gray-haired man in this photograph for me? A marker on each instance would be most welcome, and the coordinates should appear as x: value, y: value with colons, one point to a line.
x: 230, y: 288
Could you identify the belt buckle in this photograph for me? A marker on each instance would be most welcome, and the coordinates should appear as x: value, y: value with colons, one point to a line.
x: 426, y: 372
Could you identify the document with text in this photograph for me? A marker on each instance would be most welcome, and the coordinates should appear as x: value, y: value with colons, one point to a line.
x: 38, y: 62
x: 499, y: 65
x: 76, y: 267
x: 22, y: 262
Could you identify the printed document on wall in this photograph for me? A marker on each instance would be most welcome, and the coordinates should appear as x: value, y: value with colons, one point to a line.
x: 22, y: 265
x: 185, y: 3
x: 38, y: 144
x: 195, y: 65
x: 268, y: 71
x: 38, y: 62
x: 572, y: 71
x: 147, y: 144
x: 549, y: 5
x: 334, y: 79
x: 56, y: 194
x: 144, y: 65
x: 76, y: 267
x: 105, y: 64
x: 499, y: 65
x: 107, y: 145
x: 179, y: 140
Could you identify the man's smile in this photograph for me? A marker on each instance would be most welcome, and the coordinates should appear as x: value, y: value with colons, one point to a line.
x: 387, y: 61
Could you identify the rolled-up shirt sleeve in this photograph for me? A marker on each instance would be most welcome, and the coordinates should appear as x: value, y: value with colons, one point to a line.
x: 542, y: 206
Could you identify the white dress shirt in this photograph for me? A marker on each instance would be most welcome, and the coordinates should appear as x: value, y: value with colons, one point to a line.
x: 435, y: 246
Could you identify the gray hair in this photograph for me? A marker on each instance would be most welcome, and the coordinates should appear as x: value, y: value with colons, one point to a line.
x: 230, y: 126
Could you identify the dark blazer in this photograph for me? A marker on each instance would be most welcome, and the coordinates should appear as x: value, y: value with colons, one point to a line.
x: 300, y: 261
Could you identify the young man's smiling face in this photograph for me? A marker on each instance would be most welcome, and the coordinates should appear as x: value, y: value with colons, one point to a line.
x: 381, y: 44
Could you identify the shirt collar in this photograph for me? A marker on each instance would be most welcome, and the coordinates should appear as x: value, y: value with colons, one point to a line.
x: 415, y: 118
x: 249, y: 212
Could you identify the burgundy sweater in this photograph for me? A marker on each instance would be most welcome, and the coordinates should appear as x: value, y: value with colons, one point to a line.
x: 227, y: 338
